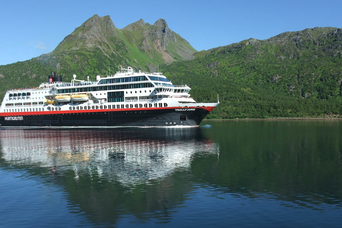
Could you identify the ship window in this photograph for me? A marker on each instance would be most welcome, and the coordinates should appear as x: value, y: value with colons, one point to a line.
x: 155, y: 105
x: 24, y: 94
x: 89, y: 107
x: 10, y: 95
x: 145, y: 105
x: 15, y: 94
x: 70, y: 108
x: 131, y: 106
x: 150, y: 105
x: 136, y: 105
x: 182, y: 117
x: 160, y: 105
x: 165, y: 104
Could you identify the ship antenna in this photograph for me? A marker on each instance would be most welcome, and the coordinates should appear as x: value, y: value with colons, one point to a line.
x: 218, y: 100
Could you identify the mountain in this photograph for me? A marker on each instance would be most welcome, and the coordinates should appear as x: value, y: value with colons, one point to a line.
x: 292, y: 74
x: 139, y: 45
x: 97, y: 47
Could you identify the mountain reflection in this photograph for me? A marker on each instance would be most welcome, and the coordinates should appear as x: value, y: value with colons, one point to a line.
x: 109, y: 173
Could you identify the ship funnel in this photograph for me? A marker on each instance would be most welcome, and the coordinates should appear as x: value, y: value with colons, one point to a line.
x: 54, y: 77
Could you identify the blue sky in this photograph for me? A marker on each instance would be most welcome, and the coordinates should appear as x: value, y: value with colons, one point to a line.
x: 31, y: 28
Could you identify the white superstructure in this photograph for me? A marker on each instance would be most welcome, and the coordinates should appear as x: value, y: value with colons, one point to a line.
x: 125, y: 89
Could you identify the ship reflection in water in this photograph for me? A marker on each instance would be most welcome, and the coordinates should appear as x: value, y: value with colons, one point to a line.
x: 233, y: 174
x: 130, y: 156
x: 108, y: 174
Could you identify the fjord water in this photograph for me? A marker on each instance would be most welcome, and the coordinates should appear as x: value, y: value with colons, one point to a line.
x: 233, y: 173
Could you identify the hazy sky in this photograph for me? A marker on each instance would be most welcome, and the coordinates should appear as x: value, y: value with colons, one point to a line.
x: 31, y: 28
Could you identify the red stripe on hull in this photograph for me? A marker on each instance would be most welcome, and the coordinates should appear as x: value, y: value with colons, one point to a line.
x: 208, y: 108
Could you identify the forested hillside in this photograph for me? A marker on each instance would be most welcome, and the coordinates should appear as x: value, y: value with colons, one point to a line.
x: 295, y: 74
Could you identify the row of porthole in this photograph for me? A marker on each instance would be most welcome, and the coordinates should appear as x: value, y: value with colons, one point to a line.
x: 25, y: 110
x: 25, y: 98
x: 137, y: 91
x: 117, y: 106
x: 90, y: 107
x: 55, y: 109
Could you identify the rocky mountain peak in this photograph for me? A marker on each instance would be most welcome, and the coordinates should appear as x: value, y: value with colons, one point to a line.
x: 95, y: 29
x: 99, y: 34
x: 138, y: 25
x: 100, y: 22
x: 162, y: 30
x: 161, y: 35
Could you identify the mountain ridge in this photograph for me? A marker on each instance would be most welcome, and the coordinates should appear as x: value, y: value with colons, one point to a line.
x: 300, y: 69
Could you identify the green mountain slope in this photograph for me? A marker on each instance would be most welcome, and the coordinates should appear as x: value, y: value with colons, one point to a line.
x: 292, y: 74
x: 289, y: 75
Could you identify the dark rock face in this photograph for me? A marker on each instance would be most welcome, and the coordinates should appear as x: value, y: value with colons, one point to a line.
x: 155, y: 40
x: 162, y: 34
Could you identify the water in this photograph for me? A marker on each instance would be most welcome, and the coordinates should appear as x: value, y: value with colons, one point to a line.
x: 224, y: 174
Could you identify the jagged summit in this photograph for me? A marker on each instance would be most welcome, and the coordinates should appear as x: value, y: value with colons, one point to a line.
x: 135, y: 25
x: 93, y: 31
x: 157, y: 41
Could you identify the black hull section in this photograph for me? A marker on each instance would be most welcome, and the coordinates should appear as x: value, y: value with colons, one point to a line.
x: 135, y: 118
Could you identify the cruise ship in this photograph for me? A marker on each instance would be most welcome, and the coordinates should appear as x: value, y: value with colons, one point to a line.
x: 128, y: 99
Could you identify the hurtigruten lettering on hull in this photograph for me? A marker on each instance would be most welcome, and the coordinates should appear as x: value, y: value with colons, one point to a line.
x: 127, y: 98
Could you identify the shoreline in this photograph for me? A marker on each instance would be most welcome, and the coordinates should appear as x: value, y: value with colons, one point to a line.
x: 278, y: 118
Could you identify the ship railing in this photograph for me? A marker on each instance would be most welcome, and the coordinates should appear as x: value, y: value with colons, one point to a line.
x: 64, y: 84
x: 182, y: 86
x: 143, y: 100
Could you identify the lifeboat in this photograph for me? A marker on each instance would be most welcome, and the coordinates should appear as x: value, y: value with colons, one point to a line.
x: 47, y: 101
x: 62, y: 98
x: 79, y: 97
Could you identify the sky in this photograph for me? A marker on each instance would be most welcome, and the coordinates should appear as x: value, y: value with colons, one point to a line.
x: 30, y: 28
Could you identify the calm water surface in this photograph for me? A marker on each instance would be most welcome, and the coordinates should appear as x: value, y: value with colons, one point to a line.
x: 223, y: 174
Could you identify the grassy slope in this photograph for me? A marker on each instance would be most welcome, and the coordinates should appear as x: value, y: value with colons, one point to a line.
x: 272, y: 78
